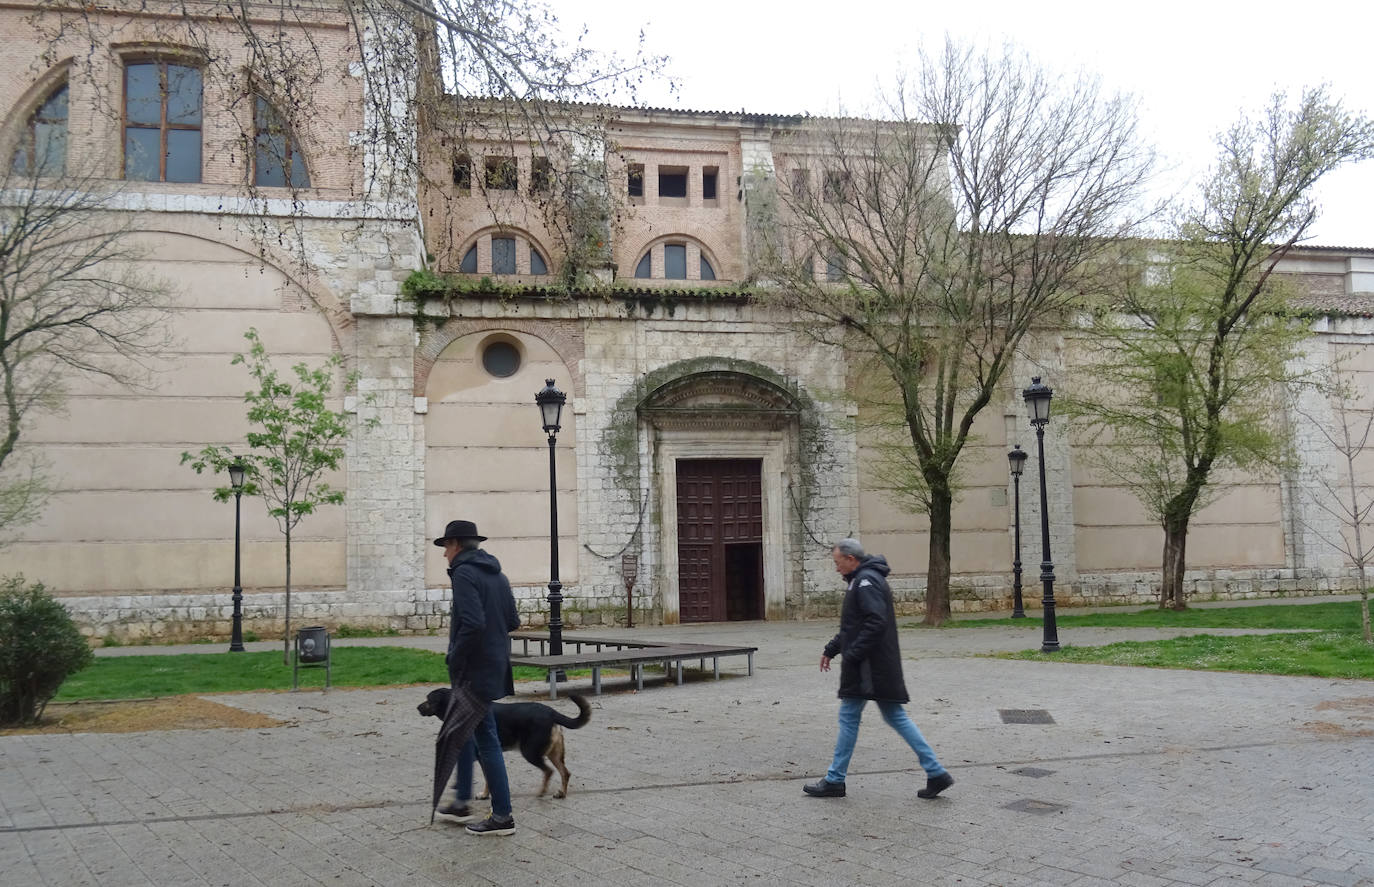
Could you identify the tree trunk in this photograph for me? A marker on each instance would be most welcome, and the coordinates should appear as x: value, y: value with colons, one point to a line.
x: 1364, y: 599
x: 1364, y: 616
x: 937, y: 570
x: 1171, y: 592
x: 286, y: 637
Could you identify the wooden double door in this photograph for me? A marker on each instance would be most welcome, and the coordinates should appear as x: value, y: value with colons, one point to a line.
x: 720, y: 539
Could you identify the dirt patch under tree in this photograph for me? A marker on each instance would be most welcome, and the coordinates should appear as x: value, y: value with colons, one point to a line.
x: 142, y: 715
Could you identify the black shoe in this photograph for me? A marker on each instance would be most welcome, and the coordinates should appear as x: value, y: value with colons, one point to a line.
x: 935, y: 785
x: 455, y: 813
x: 824, y: 788
x: 493, y: 826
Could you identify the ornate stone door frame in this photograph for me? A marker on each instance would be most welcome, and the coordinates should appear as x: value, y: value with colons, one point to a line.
x: 721, y: 412
x: 772, y: 446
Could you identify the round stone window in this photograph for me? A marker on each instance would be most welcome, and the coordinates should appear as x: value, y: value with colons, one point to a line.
x: 501, y: 359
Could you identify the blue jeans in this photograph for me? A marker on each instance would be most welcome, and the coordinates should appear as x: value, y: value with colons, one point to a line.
x: 851, y: 710
x: 485, y: 745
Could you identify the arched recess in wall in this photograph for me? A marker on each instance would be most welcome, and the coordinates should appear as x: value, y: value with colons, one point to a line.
x: 677, y: 257
x: 503, y: 252
x: 148, y: 523
x: 724, y: 452
x: 299, y: 289
x: 487, y: 457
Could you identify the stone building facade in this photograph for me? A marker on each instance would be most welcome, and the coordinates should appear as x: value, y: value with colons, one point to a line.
x: 708, y: 455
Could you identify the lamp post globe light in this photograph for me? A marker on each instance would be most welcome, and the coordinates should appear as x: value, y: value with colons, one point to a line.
x: 550, y: 401
x: 1037, y: 398
x: 1016, y: 458
x: 236, y: 474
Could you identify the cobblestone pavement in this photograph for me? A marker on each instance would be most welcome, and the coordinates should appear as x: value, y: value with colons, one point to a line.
x: 1143, y: 777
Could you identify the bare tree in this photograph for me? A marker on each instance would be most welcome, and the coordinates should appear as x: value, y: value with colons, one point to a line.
x: 460, y: 71
x: 930, y: 242
x: 1191, y: 354
x: 1343, y: 496
x: 72, y: 302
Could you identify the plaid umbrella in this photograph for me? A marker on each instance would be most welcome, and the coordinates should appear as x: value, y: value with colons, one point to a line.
x: 465, y: 709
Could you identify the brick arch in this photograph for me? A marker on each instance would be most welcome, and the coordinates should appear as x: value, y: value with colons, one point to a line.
x: 564, y: 336
x: 317, y: 295
x: 504, y: 231
x: 710, y: 252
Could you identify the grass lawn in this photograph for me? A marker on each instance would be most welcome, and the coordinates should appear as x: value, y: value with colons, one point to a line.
x: 1326, y: 654
x: 1331, y: 646
x: 140, y: 677
x: 1329, y: 616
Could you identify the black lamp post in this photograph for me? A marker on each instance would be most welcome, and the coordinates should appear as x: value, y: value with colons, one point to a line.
x: 1016, y: 457
x: 550, y: 401
x: 236, y: 472
x: 1038, y: 403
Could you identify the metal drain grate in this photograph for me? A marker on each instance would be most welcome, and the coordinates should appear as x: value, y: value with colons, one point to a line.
x: 1030, y: 805
x: 1025, y: 716
x: 1032, y: 772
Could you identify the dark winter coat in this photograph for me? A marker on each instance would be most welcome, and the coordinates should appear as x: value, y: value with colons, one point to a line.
x: 483, y: 616
x: 871, y: 661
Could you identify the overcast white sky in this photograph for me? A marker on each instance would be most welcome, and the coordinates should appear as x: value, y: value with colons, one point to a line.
x: 1193, y: 65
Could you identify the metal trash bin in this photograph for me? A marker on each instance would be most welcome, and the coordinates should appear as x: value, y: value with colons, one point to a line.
x: 312, y: 650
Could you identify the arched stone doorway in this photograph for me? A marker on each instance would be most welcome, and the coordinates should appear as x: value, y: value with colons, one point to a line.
x: 723, y: 450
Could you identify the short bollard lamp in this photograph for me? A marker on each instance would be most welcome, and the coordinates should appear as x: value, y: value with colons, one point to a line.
x: 1016, y: 458
x: 236, y: 475
x: 550, y: 401
x: 1037, y: 398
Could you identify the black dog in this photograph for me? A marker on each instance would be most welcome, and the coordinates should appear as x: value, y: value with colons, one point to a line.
x: 535, y: 728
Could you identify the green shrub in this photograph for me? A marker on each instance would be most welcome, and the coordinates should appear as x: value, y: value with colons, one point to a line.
x: 40, y: 647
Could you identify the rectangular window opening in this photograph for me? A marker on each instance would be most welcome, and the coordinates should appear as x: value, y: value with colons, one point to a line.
x: 503, y: 255
x: 541, y: 176
x: 836, y: 187
x: 502, y: 174
x: 672, y: 181
x: 709, y: 176
x: 162, y: 120
x: 635, y: 180
x: 462, y: 172
x: 675, y: 261
x: 834, y: 268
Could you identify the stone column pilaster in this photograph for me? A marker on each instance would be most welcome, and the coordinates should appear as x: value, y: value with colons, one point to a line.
x: 386, y: 516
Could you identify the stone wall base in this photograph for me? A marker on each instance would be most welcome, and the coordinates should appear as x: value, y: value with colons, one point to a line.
x: 171, y: 617
x: 978, y: 594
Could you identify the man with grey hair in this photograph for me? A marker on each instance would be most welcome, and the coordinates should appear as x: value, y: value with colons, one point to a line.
x: 871, y: 669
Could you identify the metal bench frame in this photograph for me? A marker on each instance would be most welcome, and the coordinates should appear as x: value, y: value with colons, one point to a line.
x: 635, y: 654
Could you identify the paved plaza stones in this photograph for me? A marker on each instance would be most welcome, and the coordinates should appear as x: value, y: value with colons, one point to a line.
x: 1143, y: 777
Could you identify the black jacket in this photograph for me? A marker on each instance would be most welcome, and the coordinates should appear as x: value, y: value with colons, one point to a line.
x: 871, y: 663
x: 483, y: 616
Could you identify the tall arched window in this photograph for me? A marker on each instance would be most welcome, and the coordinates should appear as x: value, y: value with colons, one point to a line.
x: 42, y: 148
x: 277, y: 158
x: 162, y: 117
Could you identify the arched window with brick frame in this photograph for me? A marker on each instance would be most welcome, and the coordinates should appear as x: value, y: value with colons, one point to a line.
x: 503, y: 251
x: 676, y: 257
x: 163, y: 114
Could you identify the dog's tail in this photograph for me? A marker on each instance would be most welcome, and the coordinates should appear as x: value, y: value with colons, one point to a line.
x: 584, y: 714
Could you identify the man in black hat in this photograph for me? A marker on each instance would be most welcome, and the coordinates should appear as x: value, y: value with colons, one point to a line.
x: 479, y: 656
